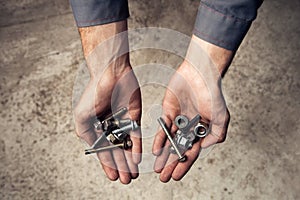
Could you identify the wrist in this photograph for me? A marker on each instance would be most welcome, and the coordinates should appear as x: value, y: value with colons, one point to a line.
x: 219, y: 57
x: 106, y: 48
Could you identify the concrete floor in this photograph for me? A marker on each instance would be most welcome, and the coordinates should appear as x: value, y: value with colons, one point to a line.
x: 40, y: 54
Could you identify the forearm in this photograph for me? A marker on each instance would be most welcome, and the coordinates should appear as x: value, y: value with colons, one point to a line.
x: 102, y: 26
x: 92, y: 36
x: 105, y: 46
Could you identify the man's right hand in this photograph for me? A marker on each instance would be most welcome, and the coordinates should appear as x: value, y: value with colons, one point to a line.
x: 112, y: 86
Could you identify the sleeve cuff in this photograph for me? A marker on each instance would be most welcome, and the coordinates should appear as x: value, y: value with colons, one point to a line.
x: 219, y: 29
x: 97, y: 12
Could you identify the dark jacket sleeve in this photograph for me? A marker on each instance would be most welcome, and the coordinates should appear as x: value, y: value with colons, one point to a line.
x: 225, y: 22
x: 96, y: 12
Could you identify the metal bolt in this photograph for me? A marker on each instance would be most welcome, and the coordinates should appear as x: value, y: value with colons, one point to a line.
x: 125, y: 145
x: 130, y: 127
x: 112, y: 138
x: 117, y: 114
x: 97, y: 125
x: 99, y: 140
x: 192, y: 123
x: 122, y: 122
x: 182, y: 158
x: 107, y: 125
x: 183, y: 123
x: 121, y: 133
x: 184, y: 141
x: 191, y: 136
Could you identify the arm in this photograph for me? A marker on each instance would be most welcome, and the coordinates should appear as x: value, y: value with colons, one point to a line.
x: 195, y: 88
x: 112, y: 84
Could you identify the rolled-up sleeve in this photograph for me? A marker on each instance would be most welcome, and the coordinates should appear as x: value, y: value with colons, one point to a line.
x: 225, y: 22
x: 97, y: 12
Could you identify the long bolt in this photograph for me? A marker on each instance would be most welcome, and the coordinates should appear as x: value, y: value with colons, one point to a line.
x: 117, y: 114
x: 182, y: 158
x: 99, y: 140
x: 124, y: 145
x: 130, y: 127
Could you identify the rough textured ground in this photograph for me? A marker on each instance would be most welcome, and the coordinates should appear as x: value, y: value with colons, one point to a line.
x: 40, y: 158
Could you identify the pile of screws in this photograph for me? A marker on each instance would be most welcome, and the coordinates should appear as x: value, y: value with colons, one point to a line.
x: 187, y: 134
x: 115, y: 131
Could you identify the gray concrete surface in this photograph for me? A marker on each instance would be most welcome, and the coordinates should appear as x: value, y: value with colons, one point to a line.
x: 40, y: 157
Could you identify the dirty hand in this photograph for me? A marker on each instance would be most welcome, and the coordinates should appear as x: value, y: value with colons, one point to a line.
x: 112, y: 86
x: 193, y: 90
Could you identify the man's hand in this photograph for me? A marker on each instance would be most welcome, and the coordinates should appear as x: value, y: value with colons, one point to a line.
x: 112, y: 86
x: 194, y: 89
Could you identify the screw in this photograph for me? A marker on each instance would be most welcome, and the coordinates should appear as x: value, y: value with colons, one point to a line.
x: 125, y: 145
x: 132, y: 126
x: 121, y: 133
x: 117, y: 114
x: 112, y: 138
x: 182, y: 158
x: 97, y: 125
x: 122, y: 122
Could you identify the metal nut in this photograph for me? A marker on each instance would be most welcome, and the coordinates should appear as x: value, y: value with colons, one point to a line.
x: 181, y: 121
x: 200, y: 130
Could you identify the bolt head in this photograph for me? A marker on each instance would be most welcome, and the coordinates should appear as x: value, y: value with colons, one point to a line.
x: 182, y: 159
x: 112, y: 138
x: 97, y: 125
x: 129, y: 143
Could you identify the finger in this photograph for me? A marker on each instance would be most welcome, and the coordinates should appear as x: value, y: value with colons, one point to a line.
x: 183, y: 167
x: 136, y: 151
x: 119, y: 158
x: 108, y: 165
x: 167, y: 171
x: 160, y: 138
x: 136, y: 136
x: 161, y: 160
x: 133, y: 167
x: 107, y: 162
